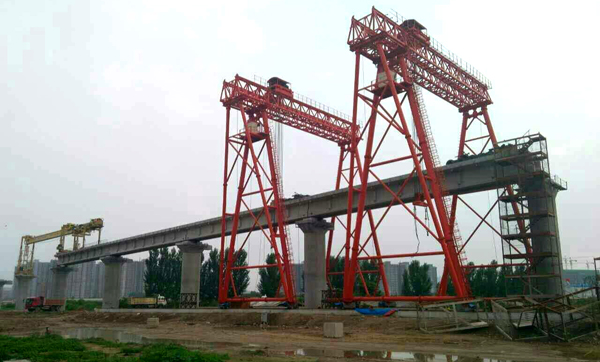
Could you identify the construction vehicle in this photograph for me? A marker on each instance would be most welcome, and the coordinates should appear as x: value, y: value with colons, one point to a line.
x: 40, y: 303
x: 25, y: 262
x: 147, y: 302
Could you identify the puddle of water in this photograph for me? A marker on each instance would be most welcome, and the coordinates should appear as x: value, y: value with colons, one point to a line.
x: 125, y: 337
x: 391, y: 355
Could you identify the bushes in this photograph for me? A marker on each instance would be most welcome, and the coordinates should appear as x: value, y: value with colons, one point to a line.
x: 7, y: 306
x: 82, y: 305
x: 55, y: 348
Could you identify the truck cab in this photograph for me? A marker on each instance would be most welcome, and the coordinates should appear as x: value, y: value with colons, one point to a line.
x: 40, y: 303
x: 33, y: 303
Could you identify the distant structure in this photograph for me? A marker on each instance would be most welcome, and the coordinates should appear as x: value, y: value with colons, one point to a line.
x: 132, y: 282
x: 394, y: 273
x: 86, y: 281
x: 577, y: 279
x: 298, y: 278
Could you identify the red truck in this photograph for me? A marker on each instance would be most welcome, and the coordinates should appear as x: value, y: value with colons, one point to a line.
x: 40, y: 303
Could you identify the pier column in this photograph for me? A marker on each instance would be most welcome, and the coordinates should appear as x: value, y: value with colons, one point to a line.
x: 2, y: 284
x: 112, y: 281
x: 190, y: 273
x: 21, y: 291
x: 546, y: 239
x: 59, y: 283
x: 314, y: 259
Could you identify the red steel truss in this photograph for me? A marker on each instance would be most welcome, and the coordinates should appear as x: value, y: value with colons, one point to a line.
x: 405, y: 51
x: 412, y: 54
x: 258, y: 105
x: 426, y: 66
x: 282, y: 107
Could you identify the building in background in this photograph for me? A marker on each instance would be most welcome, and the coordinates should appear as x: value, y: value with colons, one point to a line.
x: 132, y: 278
x: 433, y: 277
x: 577, y: 279
x: 299, y: 278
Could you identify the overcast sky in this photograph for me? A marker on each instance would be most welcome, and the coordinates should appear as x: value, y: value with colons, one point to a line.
x: 111, y: 108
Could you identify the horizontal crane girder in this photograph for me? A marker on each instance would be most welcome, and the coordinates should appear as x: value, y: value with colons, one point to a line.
x: 241, y: 93
x: 427, y: 66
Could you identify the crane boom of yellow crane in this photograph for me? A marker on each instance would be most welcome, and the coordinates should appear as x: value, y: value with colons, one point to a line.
x: 25, y: 262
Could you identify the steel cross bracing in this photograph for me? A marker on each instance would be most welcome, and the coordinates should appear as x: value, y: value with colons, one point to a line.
x: 259, y: 105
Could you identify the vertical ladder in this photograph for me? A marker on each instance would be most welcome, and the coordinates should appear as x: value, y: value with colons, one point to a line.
x: 279, y: 185
x: 458, y: 242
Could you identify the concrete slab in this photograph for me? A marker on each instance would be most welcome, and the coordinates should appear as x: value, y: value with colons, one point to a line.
x: 152, y: 322
x: 333, y: 329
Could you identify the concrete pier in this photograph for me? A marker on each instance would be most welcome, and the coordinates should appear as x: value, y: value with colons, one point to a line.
x: 546, y: 239
x: 59, y: 282
x: 22, y: 290
x: 2, y: 284
x: 112, y: 281
x: 190, y: 273
x: 314, y: 259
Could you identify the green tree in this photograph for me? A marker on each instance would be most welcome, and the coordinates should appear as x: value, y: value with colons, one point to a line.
x: 337, y: 265
x: 209, y: 278
x: 371, y: 279
x: 163, y: 273
x: 487, y: 282
x: 406, y: 287
x: 416, y: 281
x: 269, y: 278
x: 241, y: 277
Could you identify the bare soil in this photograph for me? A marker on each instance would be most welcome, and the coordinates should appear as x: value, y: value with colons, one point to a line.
x: 241, y: 334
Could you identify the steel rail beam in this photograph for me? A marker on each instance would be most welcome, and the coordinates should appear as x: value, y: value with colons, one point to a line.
x: 476, y: 174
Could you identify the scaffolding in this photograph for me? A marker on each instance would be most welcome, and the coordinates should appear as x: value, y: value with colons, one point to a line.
x: 571, y: 316
x: 453, y: 316
x: 529, y: 227
x: 517, y: 318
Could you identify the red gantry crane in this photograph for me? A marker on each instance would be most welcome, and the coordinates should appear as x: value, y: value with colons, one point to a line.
x: 259, y: 105
x: 406, y: 58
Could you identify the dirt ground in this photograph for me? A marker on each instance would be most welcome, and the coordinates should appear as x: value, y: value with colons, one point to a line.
x: 243, y: 334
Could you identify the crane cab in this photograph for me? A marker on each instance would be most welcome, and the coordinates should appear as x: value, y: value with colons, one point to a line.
x: 280, y: 86
x: 416, y: 28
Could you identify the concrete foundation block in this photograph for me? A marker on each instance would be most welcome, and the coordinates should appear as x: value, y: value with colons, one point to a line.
x: 152, y: 322
x: 264, y: 318
x: 333, y: 329
x: 271, y: 319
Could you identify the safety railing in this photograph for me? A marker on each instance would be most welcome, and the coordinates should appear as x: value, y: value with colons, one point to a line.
x: 311, y: 102
x: 393, y: 14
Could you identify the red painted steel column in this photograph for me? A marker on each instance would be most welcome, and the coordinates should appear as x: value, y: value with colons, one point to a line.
x: 352, y: 154
x: 223, y: 293
x: 333, y: 218
x: 224, y: 213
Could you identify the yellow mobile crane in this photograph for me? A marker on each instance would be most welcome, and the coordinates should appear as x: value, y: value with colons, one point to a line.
x: 25, y: 262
